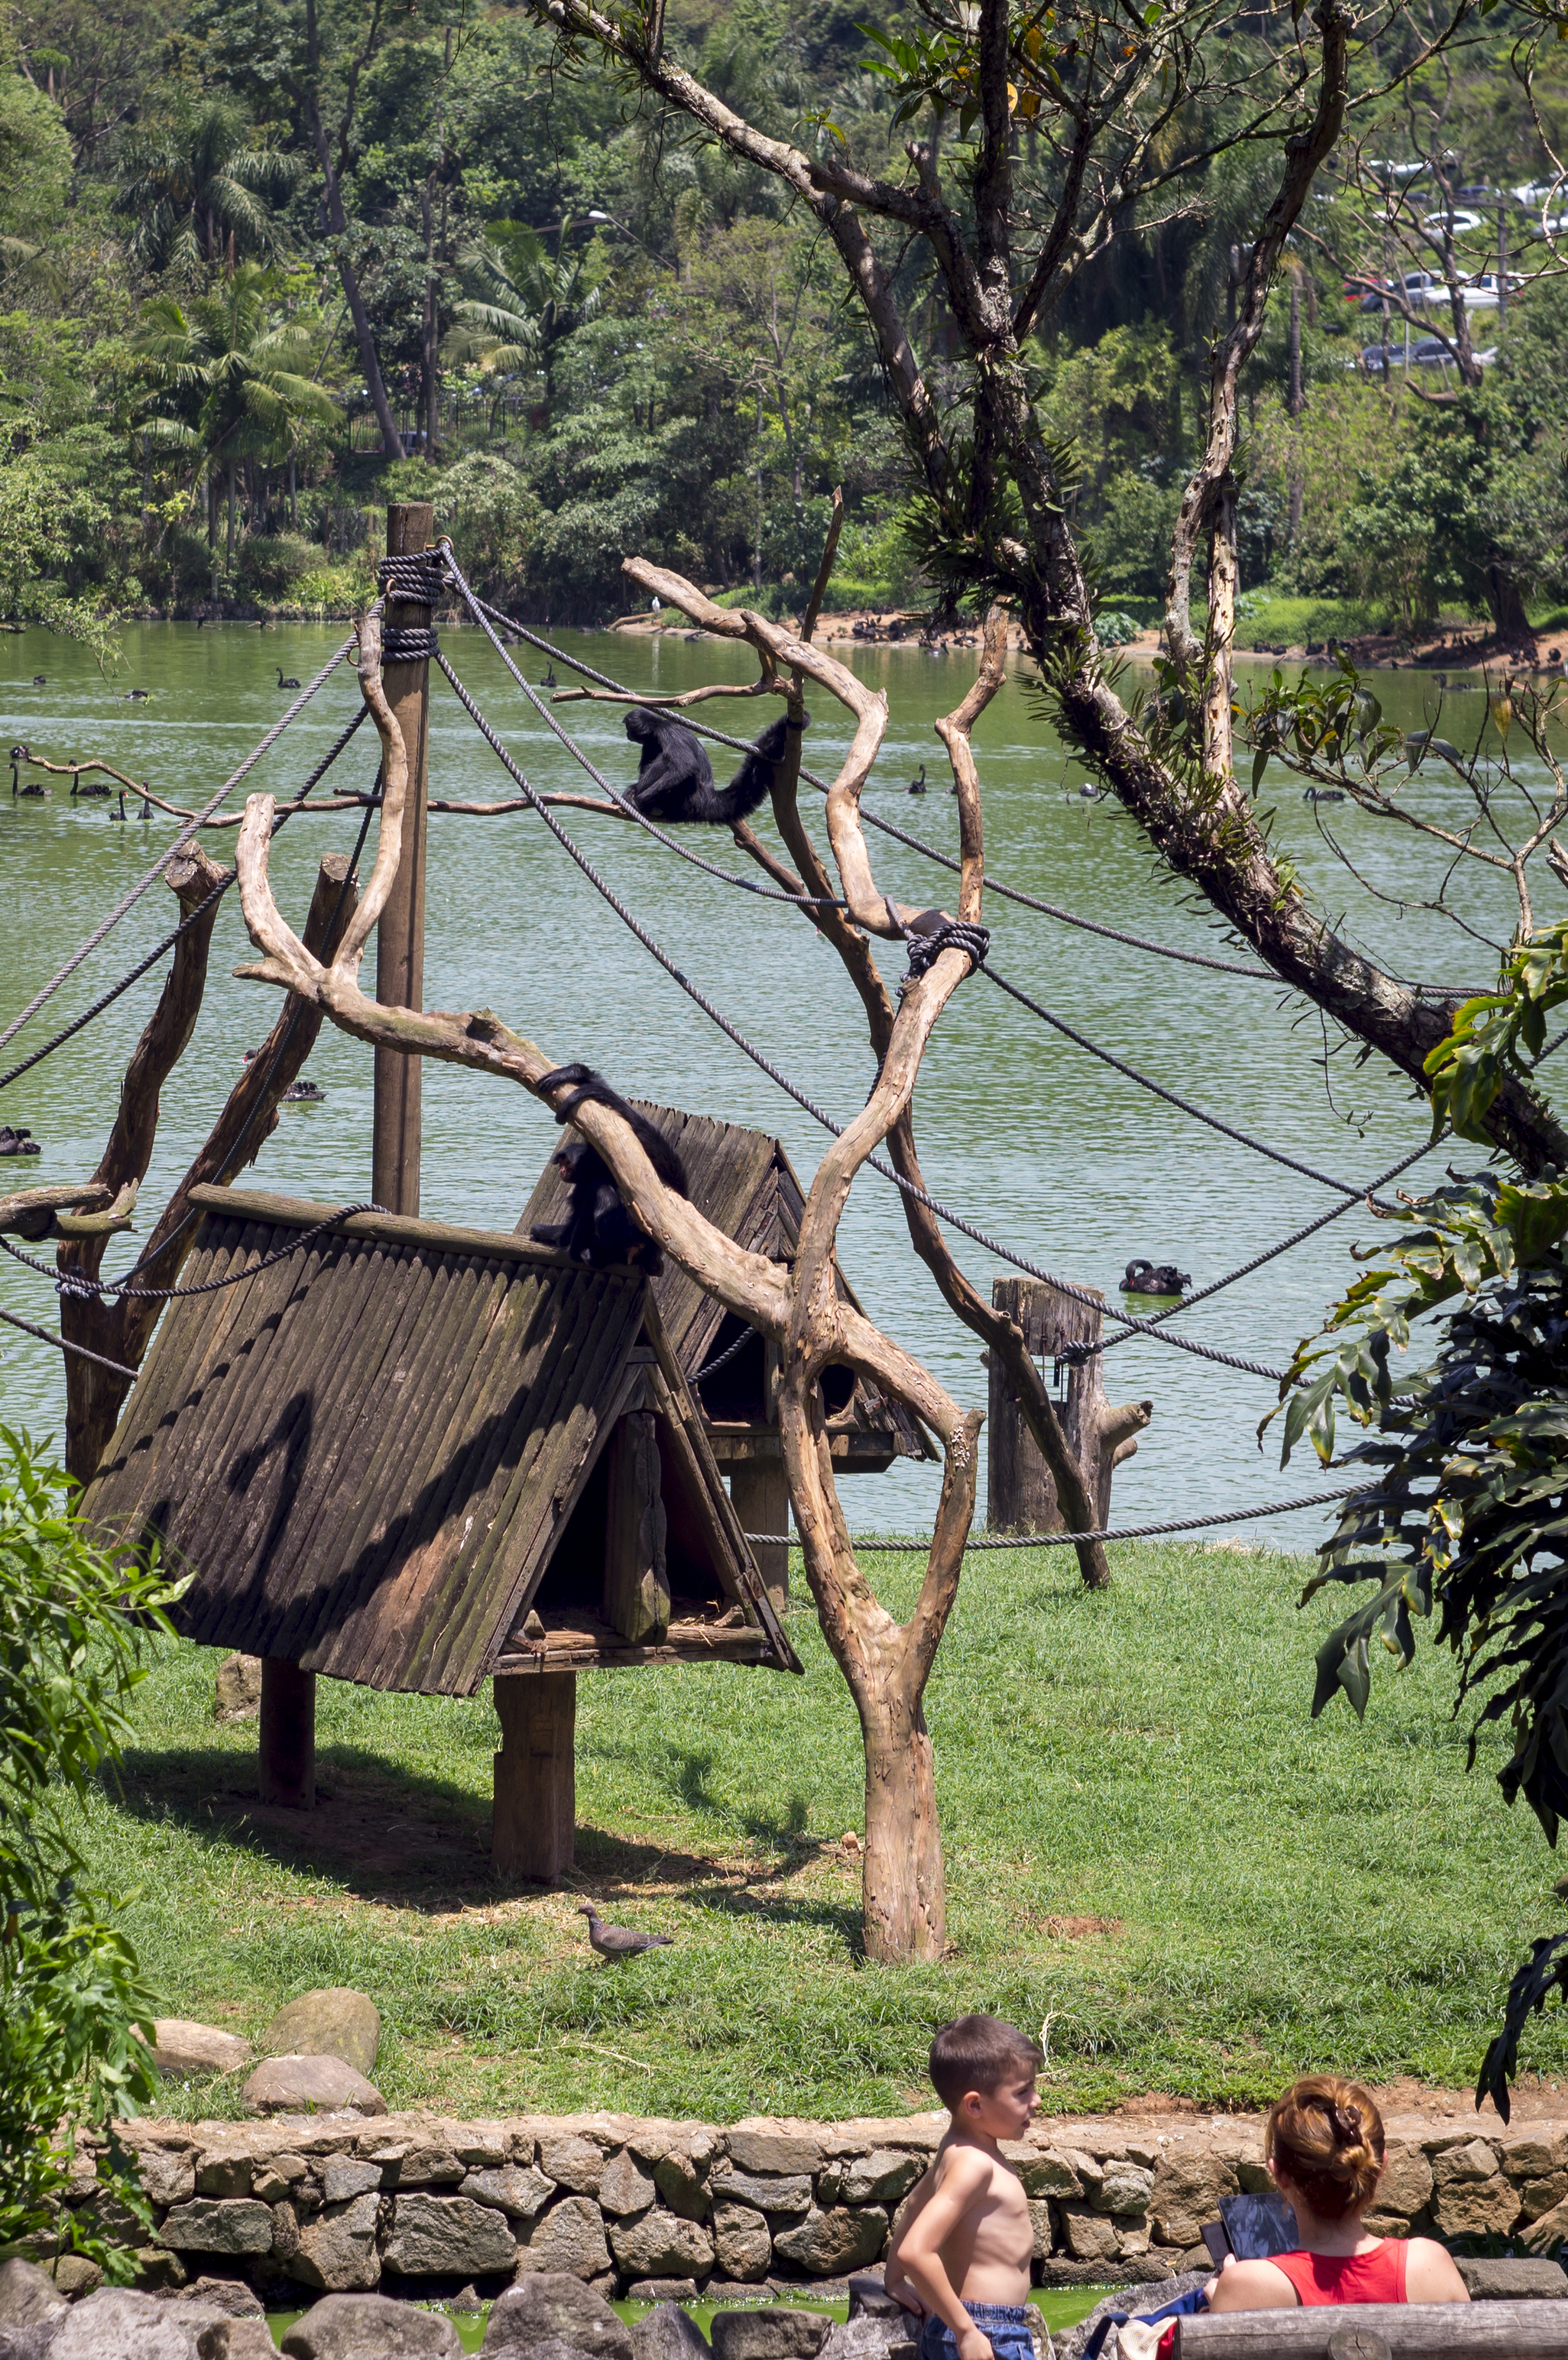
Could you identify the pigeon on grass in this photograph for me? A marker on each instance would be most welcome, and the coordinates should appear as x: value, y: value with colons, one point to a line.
x: 619, y: 1941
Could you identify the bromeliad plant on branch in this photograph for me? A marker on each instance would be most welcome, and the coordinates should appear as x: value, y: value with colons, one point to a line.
x: 1468, y: 1513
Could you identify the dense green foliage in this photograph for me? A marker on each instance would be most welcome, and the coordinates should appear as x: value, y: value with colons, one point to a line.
x: 241, y: 239
x: 72, y: 1993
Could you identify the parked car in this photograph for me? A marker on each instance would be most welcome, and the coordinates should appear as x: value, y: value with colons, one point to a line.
x: 1455, y: 222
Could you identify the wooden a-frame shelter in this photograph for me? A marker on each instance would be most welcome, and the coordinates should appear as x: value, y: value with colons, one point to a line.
x: 415, y: 1456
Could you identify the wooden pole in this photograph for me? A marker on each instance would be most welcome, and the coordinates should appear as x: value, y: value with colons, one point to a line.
x: 400, y: 938
x: 533, y: 1830
x: 288, y: 1734
x: 1021, y: 1493
x: 759, y: 1490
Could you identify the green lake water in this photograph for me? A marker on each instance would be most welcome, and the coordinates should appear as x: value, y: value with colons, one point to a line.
x: 1021, y: 1131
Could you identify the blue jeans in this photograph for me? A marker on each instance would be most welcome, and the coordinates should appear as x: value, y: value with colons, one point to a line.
x: 1005, y: 2324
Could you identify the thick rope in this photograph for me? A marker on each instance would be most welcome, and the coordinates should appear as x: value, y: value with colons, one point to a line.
x: 408, y: 643
x: 1072, y: 1540
x: 145, y: 884
x: 76, y: 1282
x: 725, y: 1357
x: 926, y: 949
x: 64, y: 1344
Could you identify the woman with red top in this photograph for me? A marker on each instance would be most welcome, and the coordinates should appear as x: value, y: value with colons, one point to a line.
x: 1324, y: 2147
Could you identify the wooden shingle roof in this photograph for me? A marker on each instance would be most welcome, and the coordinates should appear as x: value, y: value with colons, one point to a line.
x: 368, y: 1455
x: 745, y: 1184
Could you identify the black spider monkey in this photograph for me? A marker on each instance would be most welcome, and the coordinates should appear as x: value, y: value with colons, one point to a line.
x: 600, y: 1230
x: 675, y: 781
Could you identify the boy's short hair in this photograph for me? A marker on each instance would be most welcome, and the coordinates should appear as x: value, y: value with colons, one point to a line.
x: 979, y: 2052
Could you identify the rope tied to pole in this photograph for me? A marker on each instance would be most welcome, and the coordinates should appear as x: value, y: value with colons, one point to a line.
x: 420, y: 579
x: 925, y: 948
x: 408, y: 643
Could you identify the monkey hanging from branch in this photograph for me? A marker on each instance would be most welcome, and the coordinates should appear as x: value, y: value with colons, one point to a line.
x: 600, y: 1229
x: 675, y: 779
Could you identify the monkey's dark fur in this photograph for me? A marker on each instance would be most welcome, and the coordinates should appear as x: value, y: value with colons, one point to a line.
x: 675, y: 781
x: 599, y: 1228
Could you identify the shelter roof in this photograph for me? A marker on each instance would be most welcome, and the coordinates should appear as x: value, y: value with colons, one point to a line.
x: 369, y: 1455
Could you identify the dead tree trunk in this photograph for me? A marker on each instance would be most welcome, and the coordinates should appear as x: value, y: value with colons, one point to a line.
x: 1020, y: 1491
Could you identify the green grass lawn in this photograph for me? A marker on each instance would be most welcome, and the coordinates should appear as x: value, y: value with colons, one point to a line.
x: 1266, y: 1894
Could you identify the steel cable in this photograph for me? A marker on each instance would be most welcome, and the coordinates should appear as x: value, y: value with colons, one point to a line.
x: 1072, y: 1540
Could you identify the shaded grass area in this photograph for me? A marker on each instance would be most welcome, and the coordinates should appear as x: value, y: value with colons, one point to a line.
x: 1149, y: 1844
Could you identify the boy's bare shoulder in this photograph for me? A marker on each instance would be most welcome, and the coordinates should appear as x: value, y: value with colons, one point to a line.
x: 962, y: 2168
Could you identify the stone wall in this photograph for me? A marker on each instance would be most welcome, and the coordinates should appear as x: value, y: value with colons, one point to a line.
x: 341, y: 2202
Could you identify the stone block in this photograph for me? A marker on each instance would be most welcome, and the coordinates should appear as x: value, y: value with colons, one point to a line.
x: 1476, y: 2160
x: 1492, y: 2279
x: 231, y: 2296
x: 771, y: 2335
x: 75, y: 2276
x: 225, y: 2225
x: 158, y: 2272
x: 336, y: 2252
x: 883, y: 2176
x: 286, y: 2230
x: 1091, y: 2236
x: 833, y: 2239
x: 1187, y: 2188
x: 1125, y: 2188
x: 573, y: 2163
x: 765, y: 2193
x: 482, y: 2146
x: 1406, y: 2185
x: 273, y: 2179
x: 660, y: 2245
x: 667, y: 2334
x: 1049, y: 2174
x: 780, y: 2149
x: 1042, y: 2225
x: 1255, y: 2178
x: 370, y: 2327
x: 1545, y: 2233
x: 678, y: 2176
x: 1476, y: 2208
x: 185, y: 2051
x: 333, y: 2023
x: 224, y: 2171
x: 345, y: 2176
x: 117, y: 2324
x: 1535, y: 2154
x: 308, y: 2085
x: 522, y: 2195
x: 556, y: 2308
x: 167, y: 2174
x: 447, y: 2236
x: 627, y: 2187
x: 568, y: 2241
x: 1538, y: 2196
x: 27, y: 2295
x: 742, y: 2244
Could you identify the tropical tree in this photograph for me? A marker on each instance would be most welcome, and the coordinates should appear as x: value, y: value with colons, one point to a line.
x: 528, y: 301
x: 223, y: 365
x: 200, y: 189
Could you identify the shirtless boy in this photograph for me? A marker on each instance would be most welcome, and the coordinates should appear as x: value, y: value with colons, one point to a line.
x: 960, y: 2251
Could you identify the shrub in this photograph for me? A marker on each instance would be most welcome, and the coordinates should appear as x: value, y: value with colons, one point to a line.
x: 72, y: 1996
x: 271, y: 563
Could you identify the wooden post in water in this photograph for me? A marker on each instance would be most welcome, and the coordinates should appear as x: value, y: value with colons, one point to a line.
x: 1020, y: 1496
x: 400, y: 938
x: 533, y: 1829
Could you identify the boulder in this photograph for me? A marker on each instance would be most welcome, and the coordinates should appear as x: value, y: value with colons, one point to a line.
x: 344, y: 2176
x: 771, y: 2335
x: 660, y: 2245
x: 27, y: 2295
x: 834, y: 2239
x: 219, y: 2225
x: 570, y: 2239
x: 370, y: 2327
x: 231, y: 2296
x: 1546, y: 2233
x: 667, y: 2334
x: 742, y: 2244
x: 167, y: 2174
x: 553, y: 2307
x: 1493, y: 2280
x: 869, y: 2298
x: 236, y: 1688
x: 1123, y: 2189
x: 335, y: 2023
x: 573, y: 2163
x: 1476, y: 2160
x: 521, y: 2195
x: 116, y: 2324
x: 309, y: 2086
x: 1538, y: 2196
x: 627, y: 2187
x: 29, y: 2342
x: 447, y: 2236
x: 786, y: 2193
x: 781, y: 2148
x: 74, y: 2274
x: 1091, y: 2236
x: 1051, y: 2175
x: 1406, y: 2185
x: 1186, y: 2192
x: 1137, y: 2301
x: 679, y: 2178
x: 880, y: 2178
x: 657, y: 2290
x: 336, y: 2252
x: 874, y: 2338
x: 1476, y: 2208
x: 185, y: 2051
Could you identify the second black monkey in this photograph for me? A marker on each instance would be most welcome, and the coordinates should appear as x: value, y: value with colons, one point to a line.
x: 675, y: 779
x: 599, y: 1228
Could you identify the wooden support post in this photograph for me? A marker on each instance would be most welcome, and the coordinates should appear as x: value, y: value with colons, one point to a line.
x: 759, y: 1491
x: 400, y: 938
x: 1020, y: 1495
x: 288, y: 1734
x: 637, y: 1583
x: 534, y: 1826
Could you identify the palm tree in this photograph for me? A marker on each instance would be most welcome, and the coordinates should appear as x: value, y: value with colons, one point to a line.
x: 219, y: 364
x: 201, y: 189
x: 529, y: 302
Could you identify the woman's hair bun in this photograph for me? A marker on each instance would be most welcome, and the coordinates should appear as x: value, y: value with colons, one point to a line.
x: 1325, y: 2136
